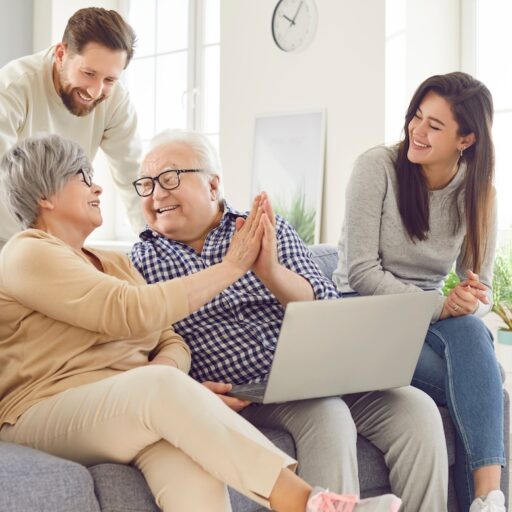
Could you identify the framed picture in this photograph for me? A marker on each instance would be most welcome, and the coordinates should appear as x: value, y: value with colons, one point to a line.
x: 288, y: 164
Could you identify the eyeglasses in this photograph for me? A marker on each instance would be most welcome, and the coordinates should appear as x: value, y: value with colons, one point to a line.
x: 85, y: 177
x: 168, y: 180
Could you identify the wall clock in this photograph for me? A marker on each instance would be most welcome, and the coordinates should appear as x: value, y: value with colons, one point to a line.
x: 294, y: 24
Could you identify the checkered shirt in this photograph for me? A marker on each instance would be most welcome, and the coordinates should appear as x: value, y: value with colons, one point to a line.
x: 233, y: 337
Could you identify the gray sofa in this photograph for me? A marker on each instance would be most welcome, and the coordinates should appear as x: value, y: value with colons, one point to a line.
x: 34, y: 481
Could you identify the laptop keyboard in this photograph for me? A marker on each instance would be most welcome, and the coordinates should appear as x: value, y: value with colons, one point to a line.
x: 255, y: 388
x: 253, y: 392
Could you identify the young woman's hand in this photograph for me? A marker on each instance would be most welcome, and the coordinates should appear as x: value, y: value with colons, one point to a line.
x: 246, y: 242
x: 220, y: 389
x: 464, y: 298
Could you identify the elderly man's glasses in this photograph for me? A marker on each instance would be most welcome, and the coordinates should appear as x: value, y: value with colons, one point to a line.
x: 85, y: 177
x: 169, y: 180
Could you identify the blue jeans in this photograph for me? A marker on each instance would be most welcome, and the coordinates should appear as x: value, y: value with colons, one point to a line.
x: 458, y: 369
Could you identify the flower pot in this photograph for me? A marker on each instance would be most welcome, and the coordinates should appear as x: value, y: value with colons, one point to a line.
x: 504, y: 337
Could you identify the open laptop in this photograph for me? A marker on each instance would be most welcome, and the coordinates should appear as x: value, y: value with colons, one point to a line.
x: 335, y: 347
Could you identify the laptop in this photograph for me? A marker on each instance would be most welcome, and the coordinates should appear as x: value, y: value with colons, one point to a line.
x: 340, y: 346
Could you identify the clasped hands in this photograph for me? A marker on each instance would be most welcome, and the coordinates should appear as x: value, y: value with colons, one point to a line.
x: 254, y: 246
x: 464, y: 298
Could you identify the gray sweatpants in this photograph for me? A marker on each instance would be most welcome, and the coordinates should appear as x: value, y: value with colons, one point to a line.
x: 403, y: 423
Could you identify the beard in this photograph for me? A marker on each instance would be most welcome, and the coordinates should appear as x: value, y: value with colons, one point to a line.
x: 67, y: 94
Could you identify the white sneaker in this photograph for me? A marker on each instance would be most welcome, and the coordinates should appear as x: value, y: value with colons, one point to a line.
x: 493, y: 502
x: 325, y: 501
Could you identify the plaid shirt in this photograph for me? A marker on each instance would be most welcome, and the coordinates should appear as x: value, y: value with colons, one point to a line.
x: 234, y: 336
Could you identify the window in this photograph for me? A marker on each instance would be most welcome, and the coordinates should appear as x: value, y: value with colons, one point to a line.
x: 173, y: 80
x: 491, y: 62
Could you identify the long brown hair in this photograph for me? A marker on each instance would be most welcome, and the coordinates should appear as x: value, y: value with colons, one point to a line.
x: 472, y: 108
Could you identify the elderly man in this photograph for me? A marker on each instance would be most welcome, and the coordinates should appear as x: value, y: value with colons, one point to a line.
x: 233, y: 337
x: 72, y: 89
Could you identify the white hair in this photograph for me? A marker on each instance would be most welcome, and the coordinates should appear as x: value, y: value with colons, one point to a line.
x: 207, y: 157
x: 37, y: 168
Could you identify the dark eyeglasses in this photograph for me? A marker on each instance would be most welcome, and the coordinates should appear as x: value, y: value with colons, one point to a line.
x: 85, y: 177
x: 168, y: 180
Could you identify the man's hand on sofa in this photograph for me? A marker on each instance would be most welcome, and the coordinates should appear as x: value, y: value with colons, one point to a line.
x: 220, y: 389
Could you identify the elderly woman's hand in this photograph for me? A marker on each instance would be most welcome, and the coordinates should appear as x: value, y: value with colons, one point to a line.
x: 246, y: 242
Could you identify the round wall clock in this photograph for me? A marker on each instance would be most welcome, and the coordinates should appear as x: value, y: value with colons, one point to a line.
x: 294, y: 24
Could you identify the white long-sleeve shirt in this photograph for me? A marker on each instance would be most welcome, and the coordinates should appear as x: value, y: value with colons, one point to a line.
x: 29, y: 105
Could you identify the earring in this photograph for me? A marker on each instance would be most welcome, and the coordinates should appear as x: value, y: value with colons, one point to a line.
x: 462, y: 151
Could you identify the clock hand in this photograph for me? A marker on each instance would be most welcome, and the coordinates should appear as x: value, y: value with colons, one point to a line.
x: 298, y: 9
x: 290, y: 20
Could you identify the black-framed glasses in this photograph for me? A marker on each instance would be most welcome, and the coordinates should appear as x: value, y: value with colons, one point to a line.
x: 168, y: 180
x: 85, y: 177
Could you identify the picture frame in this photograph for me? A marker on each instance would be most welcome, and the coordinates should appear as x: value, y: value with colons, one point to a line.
x: 288, y: 163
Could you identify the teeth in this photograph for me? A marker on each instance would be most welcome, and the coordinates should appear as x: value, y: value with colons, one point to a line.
x: 94, y: 203
x: 166, y: 209
x: 416, y: 143
x: 83, y: 97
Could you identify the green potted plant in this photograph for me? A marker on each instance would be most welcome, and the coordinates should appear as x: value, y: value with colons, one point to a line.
x: 504, y: 311
x: 502, y: 294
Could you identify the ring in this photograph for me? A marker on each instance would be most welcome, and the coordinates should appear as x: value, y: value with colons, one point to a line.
x: 455, y: 307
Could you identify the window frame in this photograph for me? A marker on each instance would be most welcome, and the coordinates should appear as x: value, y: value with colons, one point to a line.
x: 469, y: 64
x: 114, y: 234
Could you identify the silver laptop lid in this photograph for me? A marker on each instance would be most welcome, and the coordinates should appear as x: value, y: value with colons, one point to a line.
x: 335, y: 347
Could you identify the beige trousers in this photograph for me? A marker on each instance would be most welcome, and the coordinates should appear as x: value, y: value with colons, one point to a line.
x: 182, y: 437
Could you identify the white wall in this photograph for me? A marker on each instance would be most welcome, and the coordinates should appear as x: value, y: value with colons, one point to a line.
x: 433, y: 39
x: 424, y: 39
x: 342, y: 71
x: 15, y: 29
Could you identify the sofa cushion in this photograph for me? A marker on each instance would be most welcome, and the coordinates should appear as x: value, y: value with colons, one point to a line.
x: 121, y: 488
x: 326, y: 257
x: 38, y: 482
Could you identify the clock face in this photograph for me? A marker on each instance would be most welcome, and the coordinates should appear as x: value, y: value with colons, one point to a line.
x: 294, y: 24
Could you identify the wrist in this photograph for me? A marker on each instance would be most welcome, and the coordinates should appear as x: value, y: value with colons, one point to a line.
x: 268, y: 273
x: 167, y: 361
x: 231, y: 270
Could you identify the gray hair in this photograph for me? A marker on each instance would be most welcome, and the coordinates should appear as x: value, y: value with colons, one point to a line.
x: 37, y: 168
x: 207, y: 157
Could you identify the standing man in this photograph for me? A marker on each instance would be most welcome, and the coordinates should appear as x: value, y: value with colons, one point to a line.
x: 72, y: 89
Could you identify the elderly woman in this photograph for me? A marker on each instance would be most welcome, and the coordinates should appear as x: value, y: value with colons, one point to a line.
x: 91, y: 372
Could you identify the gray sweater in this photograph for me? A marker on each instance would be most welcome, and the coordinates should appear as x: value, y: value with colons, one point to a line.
x: 376, y: 255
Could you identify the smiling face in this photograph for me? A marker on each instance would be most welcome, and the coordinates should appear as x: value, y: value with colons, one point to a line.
x: 434, y: 139
x: 187, y: 213
x: 74, y: 209
x: 85, y: 80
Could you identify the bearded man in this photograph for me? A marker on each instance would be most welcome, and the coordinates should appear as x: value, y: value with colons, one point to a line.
x: 72, y: 89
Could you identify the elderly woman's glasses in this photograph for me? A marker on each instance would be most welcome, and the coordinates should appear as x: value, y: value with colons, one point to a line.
x: 85, y: 177
x: 169, y: 180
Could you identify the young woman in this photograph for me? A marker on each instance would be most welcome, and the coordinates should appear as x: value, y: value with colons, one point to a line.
x: 413, y: 211
x: 92, y: 372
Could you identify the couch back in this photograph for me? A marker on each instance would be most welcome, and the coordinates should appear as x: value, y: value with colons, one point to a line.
x: 326, y: 257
